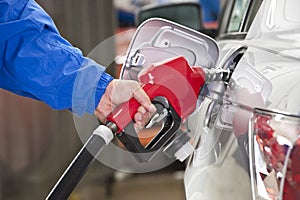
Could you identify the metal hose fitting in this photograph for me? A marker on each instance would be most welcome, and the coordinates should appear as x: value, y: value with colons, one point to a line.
x: 217, y: 74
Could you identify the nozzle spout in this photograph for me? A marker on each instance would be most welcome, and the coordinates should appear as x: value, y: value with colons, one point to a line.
x: 217, y: 74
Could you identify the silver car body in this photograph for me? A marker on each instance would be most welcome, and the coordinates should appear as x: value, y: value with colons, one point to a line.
x: 267, y: 76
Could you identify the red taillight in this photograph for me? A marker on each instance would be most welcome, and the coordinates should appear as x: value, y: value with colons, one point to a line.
x: 276, y: 155
x: 292, y: 180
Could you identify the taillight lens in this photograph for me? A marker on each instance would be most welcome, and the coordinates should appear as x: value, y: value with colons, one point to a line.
x: 275, y: 155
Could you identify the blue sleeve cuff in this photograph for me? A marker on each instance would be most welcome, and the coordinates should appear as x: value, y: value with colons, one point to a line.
x: 102, y: 84
x: 89, y: 86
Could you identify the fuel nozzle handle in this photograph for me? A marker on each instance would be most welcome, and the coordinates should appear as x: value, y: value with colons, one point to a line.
x: 173, y: 79
x: 179, y: 84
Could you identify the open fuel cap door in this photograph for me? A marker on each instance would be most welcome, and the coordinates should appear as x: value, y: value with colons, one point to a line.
x: 159, y: 39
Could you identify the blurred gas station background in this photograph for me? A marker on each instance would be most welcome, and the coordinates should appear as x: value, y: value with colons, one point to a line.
x: 37, y: 143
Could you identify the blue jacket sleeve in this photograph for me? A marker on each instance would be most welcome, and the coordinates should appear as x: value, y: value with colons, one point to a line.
x: 36, y: 62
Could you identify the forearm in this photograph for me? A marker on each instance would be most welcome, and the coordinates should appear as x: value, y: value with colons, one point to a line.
x: 38, y: 63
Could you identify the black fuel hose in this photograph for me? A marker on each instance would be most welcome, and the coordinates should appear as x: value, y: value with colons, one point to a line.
x: 73, y: 174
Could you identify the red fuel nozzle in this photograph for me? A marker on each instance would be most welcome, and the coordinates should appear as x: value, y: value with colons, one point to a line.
x: 173, y: 79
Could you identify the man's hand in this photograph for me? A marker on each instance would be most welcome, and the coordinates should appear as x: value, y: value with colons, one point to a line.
x: 120, y: 91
